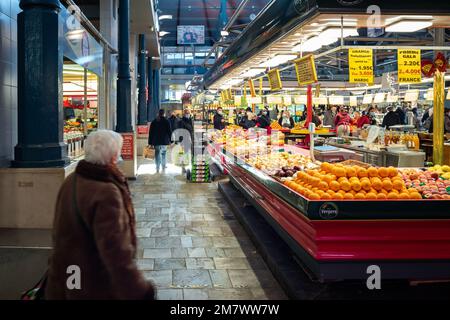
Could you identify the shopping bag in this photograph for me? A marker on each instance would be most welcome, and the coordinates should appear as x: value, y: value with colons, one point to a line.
x: 148, y: 152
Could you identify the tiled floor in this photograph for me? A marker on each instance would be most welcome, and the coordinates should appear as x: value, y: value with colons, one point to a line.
x: 190, y: 244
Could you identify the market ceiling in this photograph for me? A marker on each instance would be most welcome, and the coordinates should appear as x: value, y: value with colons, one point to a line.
x: 287, y: 23
x: 203, y: 12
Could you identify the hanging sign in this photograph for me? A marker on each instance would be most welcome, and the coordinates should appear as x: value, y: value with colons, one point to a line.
x: 368, y: 99
x: 274, y: 80
x: 287, y: 100
x: 409, y: 66
x: 361, y: 65
x: 353, y: 101
x: 274, y: 100
x: 254, y: 100
x: 379, y: 97
x: 429, y: 67
x: 411, y: 95
x: 306, y: 70
x: 336, y: 100
x: 237, y: 100
x: 300, y: 99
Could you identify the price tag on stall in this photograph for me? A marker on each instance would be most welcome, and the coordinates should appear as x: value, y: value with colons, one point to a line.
x: 306, y: 70
x: 361, y: 65
x: 274, y: 80
x: 409, y: 66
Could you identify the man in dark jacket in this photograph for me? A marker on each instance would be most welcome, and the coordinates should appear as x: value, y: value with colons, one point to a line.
x: 173, y: 120
x: 160, y: 137
x: 219, y: 121
x: 391, y: 118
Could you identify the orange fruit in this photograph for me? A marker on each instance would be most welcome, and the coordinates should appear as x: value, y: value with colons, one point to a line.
x: 383, y: 172
x: 320, y: 192
x: 330, y: 192
x: 351, y: 172
x: 377, y: 184
x: 397, y: 178
x: 339, y: 172
x: 392, y: 195
x: 342, y: 179
x: 315, y: 182
x: 398, y: 185
x: 323, y: 185
x: 353, y: 179
x: 392, y: 172
x: 353, y: 192
x: 371, y: 196
x: 415, y: 196
x: 314, y: 196
x: 342, y: 192
x: 381, y: 196
x: 372, y: 172
x: 338, y: 196
x: 333, y: 177
x: 334, y: 185
x: 327, y: 178
x: 325, y: 166
x: 325, y: 196
x: 349, y: 196
x: 345, y: 185
x: 360, y: 195
x: 366, y: 185
x: 387, y: 185
x: 404, y: 195
x: 412, y: 190
x: 356, y: 185
x: 362, y: 173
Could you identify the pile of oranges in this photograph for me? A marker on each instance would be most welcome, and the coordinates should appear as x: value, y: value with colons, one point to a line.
x: 339, y: 182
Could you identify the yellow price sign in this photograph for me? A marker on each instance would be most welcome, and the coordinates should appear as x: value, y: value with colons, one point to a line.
x: 360, y: 63
x: 306, y: 70
x: 274, y: 80
x: 409, y: 66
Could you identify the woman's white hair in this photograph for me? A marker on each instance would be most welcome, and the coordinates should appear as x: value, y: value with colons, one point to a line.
x: 102, y: 146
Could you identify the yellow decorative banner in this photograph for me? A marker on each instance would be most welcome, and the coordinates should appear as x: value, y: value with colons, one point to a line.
x: 409, y: 66
x: 360, y: 63
x: 306, y: 70
x: 251, y: 85
x: 274, y: 80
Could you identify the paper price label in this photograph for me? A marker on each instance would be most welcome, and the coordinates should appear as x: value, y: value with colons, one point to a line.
x: 361, y: 65
x: 409, y: 66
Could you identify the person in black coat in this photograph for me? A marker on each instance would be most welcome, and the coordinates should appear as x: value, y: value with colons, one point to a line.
x: 173, y: 120
x: 160, y: 137
x: 390, y: 119
x: 219, y: 121
x: 263, y: 120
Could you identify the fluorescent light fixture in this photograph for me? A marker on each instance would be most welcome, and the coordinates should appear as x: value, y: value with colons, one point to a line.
x: 448, y: 95
x: 310, y: 45
x: 165, y: 17
x: 278, y: 59
x: 75, y: 34
x: 252, y: 72
x: 408, y: 26
x: 330, y: 35
x: 163, y: 33
x: 233, y: 82
x: 224, y: 33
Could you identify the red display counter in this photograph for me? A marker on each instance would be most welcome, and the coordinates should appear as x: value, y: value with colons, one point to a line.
x: 332, y: 247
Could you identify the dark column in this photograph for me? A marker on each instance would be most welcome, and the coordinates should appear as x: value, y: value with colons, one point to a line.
x: 124, y: 77
x: 157, y: 89
x: 142, y: 68
x: 150, y: 90
x: 40, y: 111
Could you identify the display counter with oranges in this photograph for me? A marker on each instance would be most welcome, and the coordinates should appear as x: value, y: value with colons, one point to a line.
x: 339, y: 219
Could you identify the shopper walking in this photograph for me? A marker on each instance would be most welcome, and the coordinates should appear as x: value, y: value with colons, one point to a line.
x: 160, y: 137
x: 328, y: 118
x: 94, y: 230
x: 219, y: 121
x: 186, y: 122
x: 174, y: 121
x: 391, y: 118
x: 263, y: 120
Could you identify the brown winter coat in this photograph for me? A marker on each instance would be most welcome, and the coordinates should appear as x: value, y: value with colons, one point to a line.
x: 102, y: 244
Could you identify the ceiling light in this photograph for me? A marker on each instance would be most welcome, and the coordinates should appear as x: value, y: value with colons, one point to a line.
x: 310, y: 45
x: 408, y: 26
x: 233, y: 82
x: 331, y: 35
x: 163, y: 33
x: 278, y: 59
x: 224, y: 33
x: 165, y: 17
x: 252, y: 72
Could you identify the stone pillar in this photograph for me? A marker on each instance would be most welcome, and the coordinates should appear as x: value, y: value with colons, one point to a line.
x: 40, y: 111
x: 142, y: 68
x: 150, y: 90
x: 124, y: 115
x: 124, y: 77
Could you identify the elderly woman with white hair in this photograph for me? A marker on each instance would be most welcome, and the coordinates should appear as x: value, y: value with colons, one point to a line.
x: 94, y: 230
